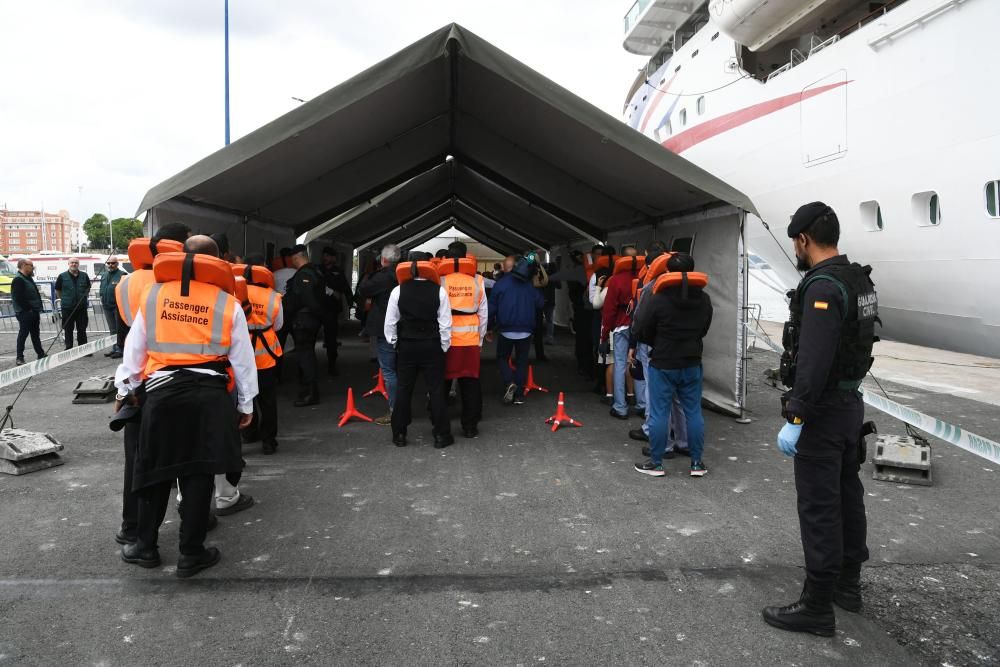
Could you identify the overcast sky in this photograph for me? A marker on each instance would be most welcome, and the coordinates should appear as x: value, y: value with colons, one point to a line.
x: 102, y: 99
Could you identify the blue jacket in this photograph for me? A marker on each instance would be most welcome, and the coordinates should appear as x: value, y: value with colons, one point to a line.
x: 514, y: 304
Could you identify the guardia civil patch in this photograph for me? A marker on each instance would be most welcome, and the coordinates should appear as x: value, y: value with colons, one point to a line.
x: 820, y: 305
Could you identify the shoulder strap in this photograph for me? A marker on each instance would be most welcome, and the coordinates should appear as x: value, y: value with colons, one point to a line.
x: 835, y: 281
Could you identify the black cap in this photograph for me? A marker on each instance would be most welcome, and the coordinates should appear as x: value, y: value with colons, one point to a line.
x: 805, y: 216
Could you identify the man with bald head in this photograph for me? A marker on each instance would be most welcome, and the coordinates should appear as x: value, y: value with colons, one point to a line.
x: 72, y: 290
x: 180, y: 360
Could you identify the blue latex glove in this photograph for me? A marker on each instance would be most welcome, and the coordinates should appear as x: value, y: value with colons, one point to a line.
x: 788, y: 437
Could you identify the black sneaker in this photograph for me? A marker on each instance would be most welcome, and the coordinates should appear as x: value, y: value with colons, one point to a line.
x: 442, y: 441
x: 698, y: 469
x: 470, y: 432
x: 242, y: 503
x: 188, y: 566
x: 148, y: 559
x: 399, y: 439
x: 649, y: 468
x: 20, y: 361
x: 508, y: 396
x: 617, y: 415
x: 269, y: 447
x: 638, y: 434
x: 518, y: 399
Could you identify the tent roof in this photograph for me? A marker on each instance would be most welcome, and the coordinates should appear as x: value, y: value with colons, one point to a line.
x: 448, y: 121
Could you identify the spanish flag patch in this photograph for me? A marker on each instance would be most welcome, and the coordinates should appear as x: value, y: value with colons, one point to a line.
x: 820, y: 305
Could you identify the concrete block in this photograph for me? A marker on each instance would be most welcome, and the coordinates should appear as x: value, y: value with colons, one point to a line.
x: 27, y: 451
x: 95, y: 390
x: 902, y: 459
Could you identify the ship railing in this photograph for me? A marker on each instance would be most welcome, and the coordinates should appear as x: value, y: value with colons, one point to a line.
x: 868, y: 18
x: 784, y: 68
x: 816, y: 45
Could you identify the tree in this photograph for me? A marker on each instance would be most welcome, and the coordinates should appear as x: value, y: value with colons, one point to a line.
x: 126, y: 229
x: 96, y: 229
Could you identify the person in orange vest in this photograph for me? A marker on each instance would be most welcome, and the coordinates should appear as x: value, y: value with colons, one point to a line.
x: 264, y: 320
x: 186, y: 338
x: 469, y: 320
x: 128, y: 292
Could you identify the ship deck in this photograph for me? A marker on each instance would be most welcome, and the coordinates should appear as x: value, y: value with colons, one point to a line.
x: 522, y: 546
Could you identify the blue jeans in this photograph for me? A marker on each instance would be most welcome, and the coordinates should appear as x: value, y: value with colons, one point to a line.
x: 677, y: 423
x: 386, y: 354
x: 518, y: 376
x: 621, y: 368
x: 664, y: 385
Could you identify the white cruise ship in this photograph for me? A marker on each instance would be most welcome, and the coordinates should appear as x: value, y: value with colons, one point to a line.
x: 887, y: 111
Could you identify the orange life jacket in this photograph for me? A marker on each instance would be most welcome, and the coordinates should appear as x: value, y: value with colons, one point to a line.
x: 465, y: 292
x: 633, y: 264
x: 254, y: 275
x: 673, y: 279
x: 657, y: 267
x: 188, y: 311
x: 410, y: 270
x: 265, y: 304
x: 128, y: 291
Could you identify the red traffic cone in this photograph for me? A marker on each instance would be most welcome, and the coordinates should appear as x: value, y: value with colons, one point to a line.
x: 379, y: 388
x: 531, y: 386
x: 351, y: 411
x: 560, y: 417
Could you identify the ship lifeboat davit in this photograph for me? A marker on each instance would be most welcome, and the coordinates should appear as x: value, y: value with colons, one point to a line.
x: 761, y: 24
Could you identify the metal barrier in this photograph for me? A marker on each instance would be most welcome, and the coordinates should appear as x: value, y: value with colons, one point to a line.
x: 51, y: 313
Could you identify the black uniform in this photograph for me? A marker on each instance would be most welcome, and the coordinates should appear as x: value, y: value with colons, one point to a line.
x: 418, y: 351
x: 304, y: 307
x: 828, y: 343
x: 334, y: 279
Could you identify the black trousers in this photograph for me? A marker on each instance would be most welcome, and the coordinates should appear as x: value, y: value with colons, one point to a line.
x: 420, y: 357
x: 28, y: 325
x: 470, y: 391
x: 539, y: 335
x: 75, y: 319
x: 265, y: 415
x: 130, y: 499
x: 830, y: 496
x: 198, y: 492
x: 305, y: 329
x: 581, y: 324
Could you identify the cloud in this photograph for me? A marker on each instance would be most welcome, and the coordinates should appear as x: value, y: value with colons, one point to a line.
x: 105, y: 99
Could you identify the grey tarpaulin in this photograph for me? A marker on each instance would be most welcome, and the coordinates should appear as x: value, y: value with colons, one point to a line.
x: 449, y: 129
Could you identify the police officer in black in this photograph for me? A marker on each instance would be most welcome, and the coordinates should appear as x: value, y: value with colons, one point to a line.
x: 337, y: 292
x: 304, y: 307
x: 828, y: 344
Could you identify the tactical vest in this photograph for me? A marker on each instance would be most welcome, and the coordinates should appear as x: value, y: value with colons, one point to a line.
x: 857, y: 335
x: 418, y: 310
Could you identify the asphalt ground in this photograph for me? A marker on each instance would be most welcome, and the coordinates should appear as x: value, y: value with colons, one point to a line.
x: 521, y: 546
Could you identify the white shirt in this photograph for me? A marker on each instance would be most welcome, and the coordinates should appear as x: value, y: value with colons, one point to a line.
x: 443, y: 317
x: 281, y: 277
x: 128, y: 377
x: 592, y: 289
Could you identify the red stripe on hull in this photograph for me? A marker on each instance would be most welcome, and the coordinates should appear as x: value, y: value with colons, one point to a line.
x: 688, y: 138
x: 656, y: 100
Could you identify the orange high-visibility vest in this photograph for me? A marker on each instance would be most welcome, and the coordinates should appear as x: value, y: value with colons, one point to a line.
x: 264, y: 306
x: 128, y: 293
x: 465, y: 293
x: 188, y: 322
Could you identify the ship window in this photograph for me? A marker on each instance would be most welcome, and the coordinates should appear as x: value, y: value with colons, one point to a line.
x: 695, y: 53
x: 677, y: 69
x: 871, y: 216
x: 683, y: 117
x: 701, y: 105
x: 926, y: 208
x: 993, y: 199
x: 714, y: 36
x: 682, y: 244
x: 664, y: 131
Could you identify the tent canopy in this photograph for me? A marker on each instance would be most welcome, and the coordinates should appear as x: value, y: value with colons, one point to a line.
x: 448, y: 129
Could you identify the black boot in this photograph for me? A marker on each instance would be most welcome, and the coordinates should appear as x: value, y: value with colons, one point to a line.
x: 847, y: 593
x: 813, y: 612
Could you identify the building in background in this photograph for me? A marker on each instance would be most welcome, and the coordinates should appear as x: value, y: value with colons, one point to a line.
x: 38, y: 231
